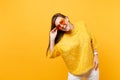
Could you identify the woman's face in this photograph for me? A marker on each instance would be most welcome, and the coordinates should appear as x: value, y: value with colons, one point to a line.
x: 63, y: 24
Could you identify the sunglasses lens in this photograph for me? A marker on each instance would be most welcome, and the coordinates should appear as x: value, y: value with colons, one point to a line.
x: 62, y: 22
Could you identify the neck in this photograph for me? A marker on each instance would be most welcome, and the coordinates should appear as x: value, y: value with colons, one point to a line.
x: 73, y: 30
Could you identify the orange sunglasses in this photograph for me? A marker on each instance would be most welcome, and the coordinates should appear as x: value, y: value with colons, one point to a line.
x: 62, y: 22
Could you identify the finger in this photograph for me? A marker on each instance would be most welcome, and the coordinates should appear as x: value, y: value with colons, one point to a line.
x: 54, y: 29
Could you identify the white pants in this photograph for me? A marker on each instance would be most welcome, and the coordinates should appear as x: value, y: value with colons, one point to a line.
x: 90, y: 75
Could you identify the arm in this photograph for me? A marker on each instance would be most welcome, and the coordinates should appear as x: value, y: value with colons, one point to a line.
x: 53, y: 49
x: 95, y: 51
x: 52, y: 43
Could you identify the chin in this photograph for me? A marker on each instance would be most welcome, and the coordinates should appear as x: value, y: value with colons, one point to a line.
x: 68, y: 30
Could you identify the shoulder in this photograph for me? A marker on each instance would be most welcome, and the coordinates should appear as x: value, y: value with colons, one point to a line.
x: 80, y: 22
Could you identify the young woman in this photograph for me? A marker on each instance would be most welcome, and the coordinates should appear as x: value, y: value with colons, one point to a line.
x: 76, y: 45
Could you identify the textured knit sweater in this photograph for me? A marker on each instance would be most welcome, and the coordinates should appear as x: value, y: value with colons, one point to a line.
x: 77, y: 49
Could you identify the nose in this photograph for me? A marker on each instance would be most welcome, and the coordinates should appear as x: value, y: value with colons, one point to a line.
x: 63, y: 26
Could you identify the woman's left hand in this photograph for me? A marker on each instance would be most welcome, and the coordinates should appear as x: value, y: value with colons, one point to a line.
x: 96, y: 61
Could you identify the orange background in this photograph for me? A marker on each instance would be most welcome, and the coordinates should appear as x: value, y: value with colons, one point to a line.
x: 24, y: 29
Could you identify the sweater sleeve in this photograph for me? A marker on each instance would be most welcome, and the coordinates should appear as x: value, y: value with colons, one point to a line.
x: 54, y: 53
x: 93, y: 42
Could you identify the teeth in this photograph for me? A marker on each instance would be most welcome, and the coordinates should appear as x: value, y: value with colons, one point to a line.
x: 65, y: 27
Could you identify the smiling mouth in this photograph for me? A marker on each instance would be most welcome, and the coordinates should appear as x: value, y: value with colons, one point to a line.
x: 65, y: 27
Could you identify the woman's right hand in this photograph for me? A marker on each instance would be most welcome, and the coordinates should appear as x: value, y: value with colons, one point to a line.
x: 53, y: 34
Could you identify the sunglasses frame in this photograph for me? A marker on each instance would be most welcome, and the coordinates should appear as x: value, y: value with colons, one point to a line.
x: 62, y: 22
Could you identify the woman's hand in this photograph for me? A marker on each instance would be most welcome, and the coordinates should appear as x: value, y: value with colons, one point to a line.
x: 96, y: 61
x: 53, y: 34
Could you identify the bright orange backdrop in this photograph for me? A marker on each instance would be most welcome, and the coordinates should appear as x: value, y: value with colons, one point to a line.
x: 24, y: 29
